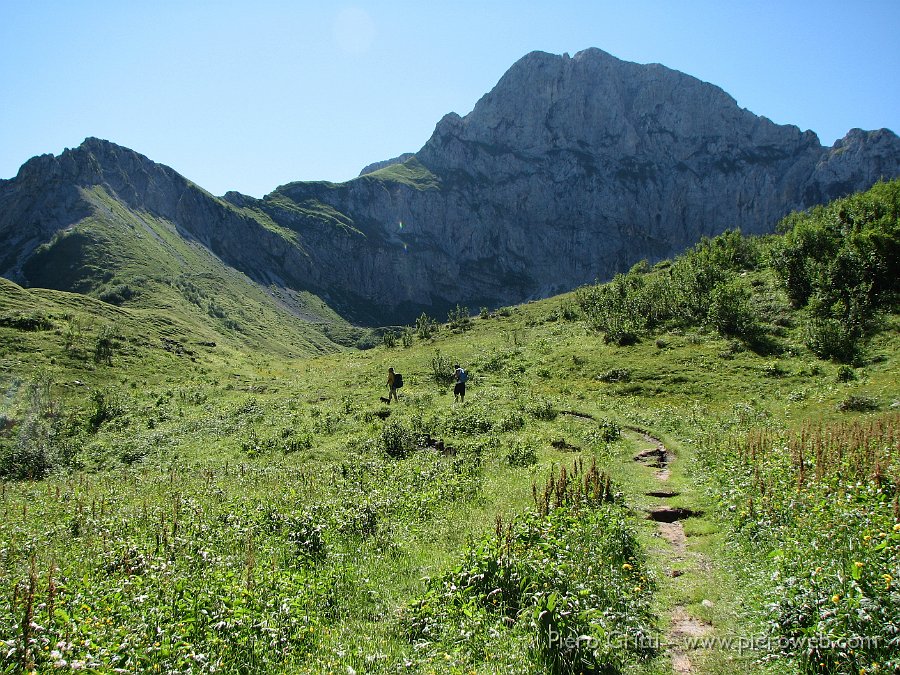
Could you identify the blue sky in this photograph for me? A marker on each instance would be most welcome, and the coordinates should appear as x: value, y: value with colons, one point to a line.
x: 248, y: 96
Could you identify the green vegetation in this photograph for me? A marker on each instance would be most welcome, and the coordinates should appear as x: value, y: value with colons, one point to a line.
x: 181, y: 496
x: 136, y: 261
x: 411, y: 173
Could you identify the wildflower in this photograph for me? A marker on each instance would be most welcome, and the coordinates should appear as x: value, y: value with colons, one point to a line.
x: 835, y: 598
x: 858, y: 564
x: 867, y: 538
x: 897, y: 527
x: 626, y: 566
x: 637, y: 589
x: 887, y: 580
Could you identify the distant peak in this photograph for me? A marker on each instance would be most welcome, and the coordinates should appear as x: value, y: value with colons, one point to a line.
x: 593, y: 53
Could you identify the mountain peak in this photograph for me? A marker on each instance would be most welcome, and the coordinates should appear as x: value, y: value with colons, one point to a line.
x: 570, y: 169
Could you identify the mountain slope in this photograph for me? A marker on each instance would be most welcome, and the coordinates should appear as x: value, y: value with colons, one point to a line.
x: 122, y: 236
x: 569, y: 170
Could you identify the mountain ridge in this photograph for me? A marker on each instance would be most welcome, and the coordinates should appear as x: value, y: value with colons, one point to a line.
x: 570, y: 169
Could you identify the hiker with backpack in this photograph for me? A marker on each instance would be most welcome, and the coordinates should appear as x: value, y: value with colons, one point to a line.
x: 459, y: 391
x: 394, y: 382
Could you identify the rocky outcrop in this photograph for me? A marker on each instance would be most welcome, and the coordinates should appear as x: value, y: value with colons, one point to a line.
x: 569, y: 170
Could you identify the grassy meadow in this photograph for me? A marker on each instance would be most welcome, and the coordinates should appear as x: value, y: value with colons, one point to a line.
x: 175, y: 503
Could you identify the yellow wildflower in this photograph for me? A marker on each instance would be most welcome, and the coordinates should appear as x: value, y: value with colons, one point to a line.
x: 887, y: 580
x: 626, y: 566
x: 897, y: 527
x: 835, y: 598
x: 859, y: 565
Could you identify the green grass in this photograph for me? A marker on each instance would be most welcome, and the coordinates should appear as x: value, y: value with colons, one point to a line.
x: 411, y: 173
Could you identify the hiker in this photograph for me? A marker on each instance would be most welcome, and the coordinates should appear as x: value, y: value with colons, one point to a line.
x: 459, y: 391
x: 392, y: 386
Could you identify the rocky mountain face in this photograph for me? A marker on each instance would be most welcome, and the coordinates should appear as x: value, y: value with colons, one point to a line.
x: 569, y: 170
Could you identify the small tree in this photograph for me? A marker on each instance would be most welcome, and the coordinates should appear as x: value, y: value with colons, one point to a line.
x: 458, y: 318
x: 103, y: 347
x: 425, y: 326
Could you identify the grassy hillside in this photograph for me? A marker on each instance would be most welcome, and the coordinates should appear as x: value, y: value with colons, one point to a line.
x: 134, y: 260
x: 195, y: 509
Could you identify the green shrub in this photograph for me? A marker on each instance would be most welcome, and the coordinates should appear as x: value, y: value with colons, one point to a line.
x: 26, y: 322
x: 615, y: 375
x: 539, y: 408
x: 858, y: 403
x: 425, y: 326
x: 105, y: 406
x: 458, y: 318
x: 396, y: 440
x: 834, y: 339
x: 521, y: 453
x: 441, y: 367
x: 730, y: 312
x: 105, y: 344
x: 541, y: 574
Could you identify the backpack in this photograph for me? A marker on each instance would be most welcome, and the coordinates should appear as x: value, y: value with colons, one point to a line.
x: 463, y: 375
x: 398, y: 380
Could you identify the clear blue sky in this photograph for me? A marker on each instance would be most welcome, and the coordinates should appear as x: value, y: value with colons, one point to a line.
x: 248, y: 96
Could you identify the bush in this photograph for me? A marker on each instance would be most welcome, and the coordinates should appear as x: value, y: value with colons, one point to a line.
x: 29, y: 455
x: 608, y: 430
x: 540, y: 409
x: 856, y: 403
x: 425, y: 326
x: 441, y: 367
x: 33, y: 447
x: 833, y: 339
x: 105, y: 407
x: 615, y: 375
x: 396, y: 440
x: 26, y: 322
x: 469, y: 420
x: 843, y: 260
x: 117, y: 294
x: 105, y: 343
x: 458, y: 318
x: 521, y: 453
x: 730, y: 312
x: 306, y: 536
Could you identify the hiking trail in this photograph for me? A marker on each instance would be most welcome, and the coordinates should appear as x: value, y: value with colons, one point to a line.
x: 677, y: 562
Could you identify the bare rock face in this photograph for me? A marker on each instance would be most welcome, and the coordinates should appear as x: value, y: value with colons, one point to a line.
x: 569, y: 170
x: 572, y: 169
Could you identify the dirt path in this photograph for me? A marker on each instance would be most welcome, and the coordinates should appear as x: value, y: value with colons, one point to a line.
x: 684, y: 630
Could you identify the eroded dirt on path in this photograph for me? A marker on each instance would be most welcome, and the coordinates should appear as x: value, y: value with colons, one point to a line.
x: 685, y: 631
